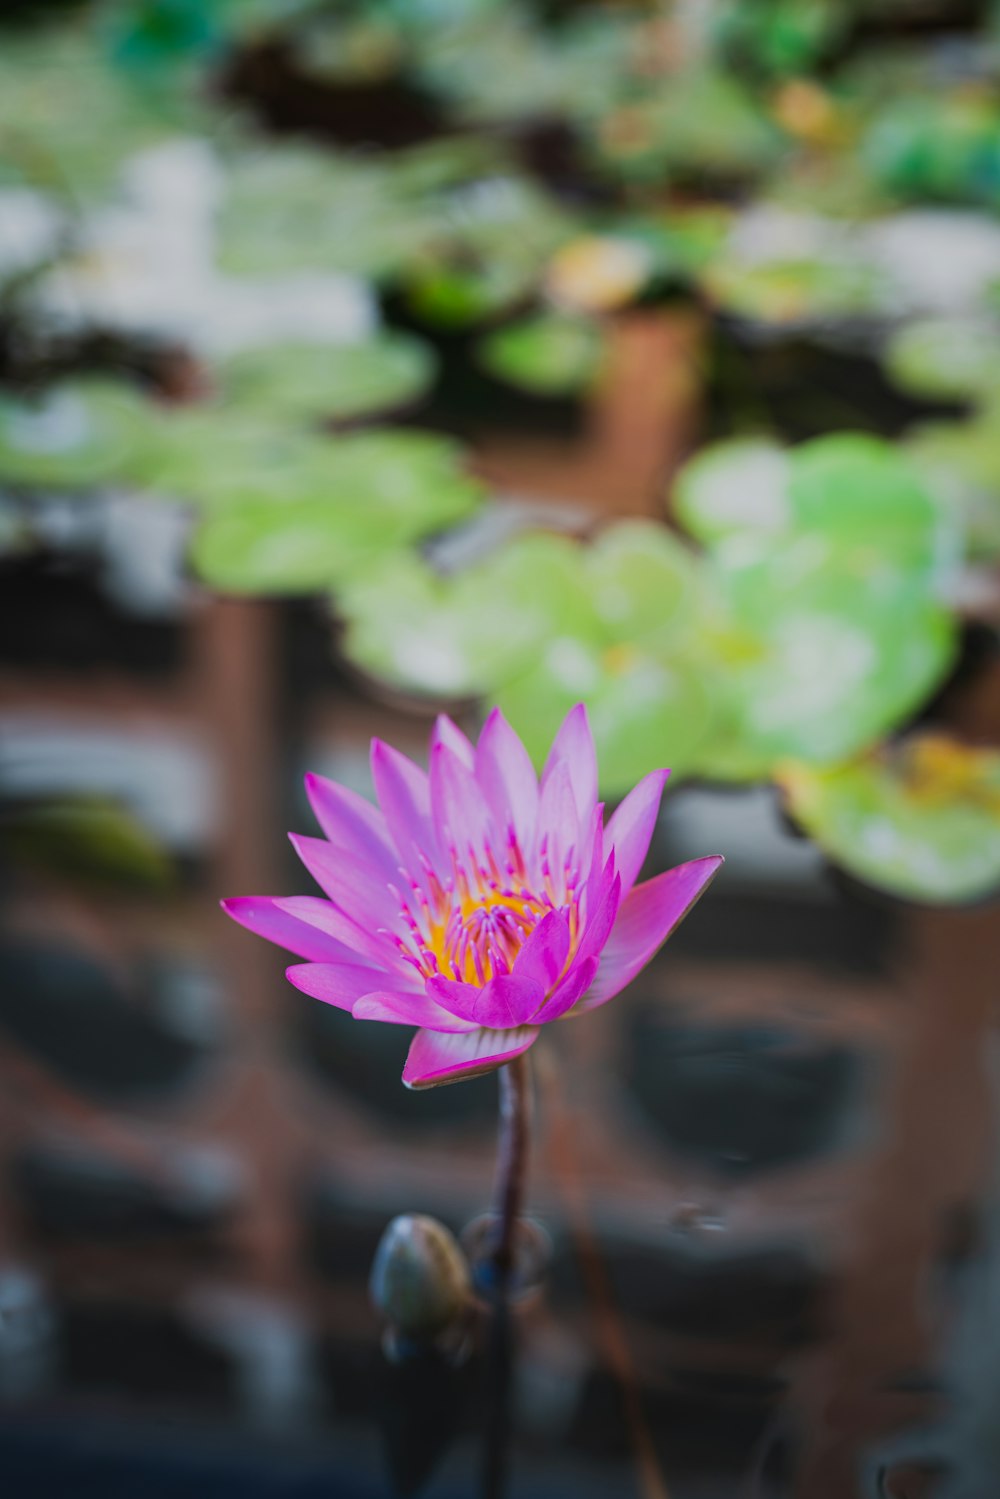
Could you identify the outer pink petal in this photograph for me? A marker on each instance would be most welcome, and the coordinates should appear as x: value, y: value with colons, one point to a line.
x: 351, y: 823
x: 574, y: 743
x: 409, y: 1009
x: 630, y: 828
x: 587, y: 957
x: 363, y: 944
x: 507, y: 779
x: 404, y: 796
x: 264, y: 915
x: 355, y: 887
x: 647, y: 917
x: 436, y: 1058
x: 340, y: 984
x: 446, y: 732
x: 543, y: 957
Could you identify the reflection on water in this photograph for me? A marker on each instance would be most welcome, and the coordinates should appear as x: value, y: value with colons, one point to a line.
x: 767, y: 1172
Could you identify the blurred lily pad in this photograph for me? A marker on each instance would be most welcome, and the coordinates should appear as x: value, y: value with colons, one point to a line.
x: 819, y: 652
x: 786, y: 291
x: 356, y: 498
x: 458, y: 635
x: 920, y: 819
x: 73, y: 435
x: 87, y: 839
x: 960, y: 462
x: 733, y: 487
x: 937, y: 145
x: 336, y: 381
x: 853, y: 490
x: 547, y: 355
x: 948, y: 358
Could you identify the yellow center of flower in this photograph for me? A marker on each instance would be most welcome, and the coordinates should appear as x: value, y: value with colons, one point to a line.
x: 472, y: 927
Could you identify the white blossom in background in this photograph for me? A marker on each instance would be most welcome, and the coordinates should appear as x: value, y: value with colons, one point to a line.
x: 940, y: 260
x: 147, y: 265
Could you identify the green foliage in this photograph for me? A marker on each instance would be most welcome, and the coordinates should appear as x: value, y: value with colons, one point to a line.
x: 548, y: 355
x: 337, y: 382
x: 75, y: 434
x: 354, y: 499
x: 919, y: 819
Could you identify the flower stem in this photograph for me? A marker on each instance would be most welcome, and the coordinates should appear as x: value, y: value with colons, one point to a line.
x: 512, y: 1165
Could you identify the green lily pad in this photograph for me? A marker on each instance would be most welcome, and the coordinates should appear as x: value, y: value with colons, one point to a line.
x: 449, y: 296
x: 460, y: 634
x: 707, y: 124
x: 937, y: 146
x: 88, y: 839
x: 215, y: 454
x: 733, y: 487
x: 69, y: 119
x: 74, y: 435
x: 336, y: 381
x: 647, y: 711
x: 919, y: 819
x: 947, y: 358
x: 297, y: 208
x: 859, y: 490
x: 356, y: 498
x: 853, y: 490
x: 818, y: 652
x: 960, y: 462
x: 545, y: 356
x: 795, y: 291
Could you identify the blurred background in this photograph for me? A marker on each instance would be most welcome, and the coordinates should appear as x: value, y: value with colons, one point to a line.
x: 363, y: 360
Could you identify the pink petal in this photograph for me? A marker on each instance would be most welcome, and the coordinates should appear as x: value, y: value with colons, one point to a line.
x: 574, y: 744
x: 576, y: 983
x: 352, y: 823
x: 364, y: 944
x: 457, y: 805
x: 500, y: 1004
x: 355, y: 887
x: 265, y: 916
x: 409, y: 1009
x: 449, y: 734
x: 630, y: 828
x: 647, y: 916
x: 436, y: 1058
x: 558, y: 824
x: 404, y: 796
x: 507, y: 779
x: 543, y: 957
x: 339, y: 984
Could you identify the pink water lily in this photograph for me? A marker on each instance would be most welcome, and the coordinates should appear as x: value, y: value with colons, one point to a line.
x: 477, y: 901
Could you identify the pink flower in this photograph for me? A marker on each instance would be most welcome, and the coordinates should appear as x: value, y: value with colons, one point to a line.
x: 477, y: 902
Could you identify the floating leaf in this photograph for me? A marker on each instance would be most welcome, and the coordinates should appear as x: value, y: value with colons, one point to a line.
x: 819, y: 652
x: 86, y: 838
x: 458, y: 635
x: 76, y: 434
x: 335, y: 381
x: 920, y: 819
x: 732, y: 487
x: 646, y: 710
x: 354, y: 499
x: 545, y: 356
x: 853, y: 490
x: 795, y: 290
x: 960, y: 462
x: 947, y: 358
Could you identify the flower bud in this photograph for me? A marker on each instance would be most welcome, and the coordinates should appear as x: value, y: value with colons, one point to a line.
x: 420, y: 1278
